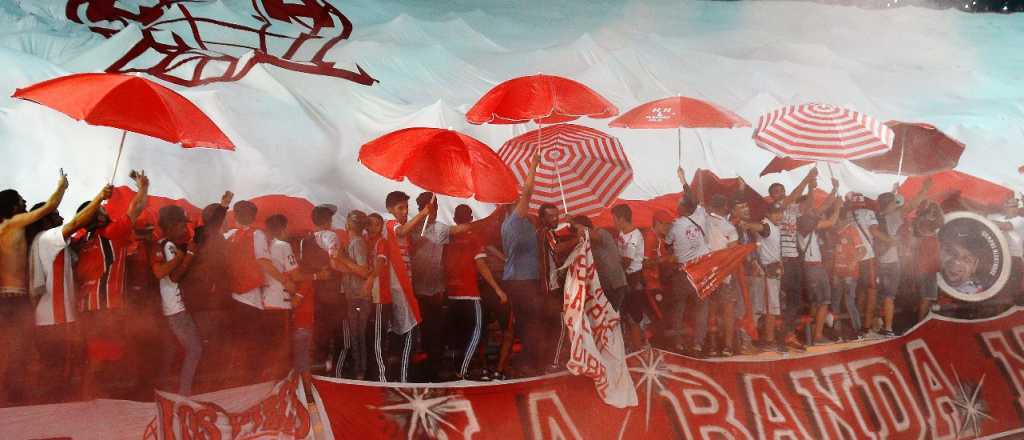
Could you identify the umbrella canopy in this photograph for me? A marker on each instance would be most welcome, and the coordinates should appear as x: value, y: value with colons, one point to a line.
x: 443, y: 161
x: 918, y: 149
x: 544, y: 99
x: 583, y: 168
x: 822, y: 132
x: 948, y: 185
x: 130, y: 103
x: 679, y: 112
x: 780, y: 164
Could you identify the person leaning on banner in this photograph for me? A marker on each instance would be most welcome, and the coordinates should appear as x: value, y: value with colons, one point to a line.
x: 688, y: 238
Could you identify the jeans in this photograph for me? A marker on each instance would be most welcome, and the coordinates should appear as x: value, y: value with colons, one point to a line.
x: 845, y: 292
x: 184, y: 329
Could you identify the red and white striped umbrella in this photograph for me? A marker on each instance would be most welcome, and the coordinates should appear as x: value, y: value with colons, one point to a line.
x: 822, y: 132
x: 581, y: 169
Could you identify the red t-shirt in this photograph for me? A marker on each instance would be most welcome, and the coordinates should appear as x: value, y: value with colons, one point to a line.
x: 460, y: 266
x: 849, y: 250
x: 100, y: 273
x: 928, y: 255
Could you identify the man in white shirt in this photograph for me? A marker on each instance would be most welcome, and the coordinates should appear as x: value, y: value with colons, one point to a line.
x: 52, y: 292
x: 810, y: 228
x: 723, y: 234
x: 688, y: 239
x: 630, y: 242
x: 866, y: 222
x: 280, y: 289
x: 330, y: 309
x: 247, y: 280
x: 792, y: 274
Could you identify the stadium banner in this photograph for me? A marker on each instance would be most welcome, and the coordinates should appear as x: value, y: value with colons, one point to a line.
x: 945, y: 379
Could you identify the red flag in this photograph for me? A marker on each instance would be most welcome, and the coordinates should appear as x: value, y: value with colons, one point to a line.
x: 707, y: 272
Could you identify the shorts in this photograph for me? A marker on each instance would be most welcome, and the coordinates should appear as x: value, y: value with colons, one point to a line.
x: 928, y: 286
x: 888, y: 280
x: 868, y: 278
x: 817, y: 284
x: 728, y: 292
x: 764, y: 296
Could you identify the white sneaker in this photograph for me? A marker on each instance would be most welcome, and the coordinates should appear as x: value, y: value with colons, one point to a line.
x: 830, y: 319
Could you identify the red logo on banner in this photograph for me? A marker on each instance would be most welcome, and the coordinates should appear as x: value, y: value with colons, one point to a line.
x: 195, y: 42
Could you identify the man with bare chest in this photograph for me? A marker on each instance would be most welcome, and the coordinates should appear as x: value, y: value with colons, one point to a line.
x: 15, y: 307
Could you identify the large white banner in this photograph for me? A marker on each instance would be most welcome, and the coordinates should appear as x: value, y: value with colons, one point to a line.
x: 596, y: 349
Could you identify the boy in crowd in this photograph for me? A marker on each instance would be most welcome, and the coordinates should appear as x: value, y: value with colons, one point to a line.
x: 688, y: 238
x: 355, y: 270
x: 464, y: 259
x: 51, y: 287
x: 607, y: 260
x: 396, y: 279
x: 316, y: 254
x: 279, y: 290
x: 752, y: 271
x: 792, y: 273
x: 723, y: 234
x: 428, y: 283
x: 249, y: 251
x: 891, y: 213
x: 173, y: 260
x: 866, y: 222
x: 100, y: 274
x: 850, y: 249
x: 765, y: 291
x: 810, y: 227
x: 630, y: 242
x: 15, y: 307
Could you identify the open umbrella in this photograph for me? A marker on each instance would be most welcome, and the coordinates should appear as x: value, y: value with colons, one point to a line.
x: 822, y: 132
x: 679, y: 112
x: 947, y: 184
x: 443, y: 161
x: 585, y: 168
x: 544, y: 99
x: 130, y: 103
x: 918, y: 149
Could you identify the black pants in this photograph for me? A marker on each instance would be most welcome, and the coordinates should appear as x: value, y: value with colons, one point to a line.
x: 329, y: 314
x: 432, y: 310
x: 466, y: 317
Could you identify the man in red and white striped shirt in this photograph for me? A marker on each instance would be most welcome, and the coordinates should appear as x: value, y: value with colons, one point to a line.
x: 52, y: 290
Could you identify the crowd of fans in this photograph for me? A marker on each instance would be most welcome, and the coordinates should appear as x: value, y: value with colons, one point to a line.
x: 106, y: 306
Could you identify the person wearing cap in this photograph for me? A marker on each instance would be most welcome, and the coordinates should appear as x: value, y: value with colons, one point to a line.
x: 892, y: 210
x: 173, y: 260
x: 792, y: 274
x: 723, y: 234
x: 810, y: 228
x: 688, y: 238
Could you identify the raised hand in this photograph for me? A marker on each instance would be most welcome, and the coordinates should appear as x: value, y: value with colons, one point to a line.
x: 225, y: 200
x: 140, y: 178
x: 62, y: 182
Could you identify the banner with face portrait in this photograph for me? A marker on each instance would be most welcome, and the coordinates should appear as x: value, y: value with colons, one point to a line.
x: 975, y: 257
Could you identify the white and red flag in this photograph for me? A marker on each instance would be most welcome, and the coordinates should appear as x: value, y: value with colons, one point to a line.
x: 708, y: 272
x: 596, y: 349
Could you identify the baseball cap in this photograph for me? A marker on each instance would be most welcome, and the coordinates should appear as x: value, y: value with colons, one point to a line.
x: 329, y: 206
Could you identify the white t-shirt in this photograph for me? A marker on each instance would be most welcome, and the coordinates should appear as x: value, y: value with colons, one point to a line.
x: 787, y: 231
x: 687, y: 239
x: 274, y: 295
x: 170, y: 294
x: 769, y: 249
x: 631, y: 245
x: 55, y: 306
x: 893, y: 222
x: 328, y: 241
x: 720, y: 232
x: 1013, y: 238
x: 261, y: 250
x: 427, y: 276
x: 811, y: 246
x: 863, y: 220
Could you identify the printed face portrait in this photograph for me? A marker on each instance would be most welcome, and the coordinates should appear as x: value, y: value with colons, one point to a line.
x: 974, y: 263
x: 958, y: 265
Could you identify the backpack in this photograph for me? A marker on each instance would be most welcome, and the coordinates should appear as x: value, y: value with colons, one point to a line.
x: 244, y: 273
x: 312, y: 257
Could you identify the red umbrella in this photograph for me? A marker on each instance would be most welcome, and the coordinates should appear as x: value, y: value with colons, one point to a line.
x: 952, y: 184
x: 679, y: 112
x: 780, y: 164
x: 544, y: 99
x: 130, y: 103
x: 918, y: 149
x: 442, y: 161
x: 584, y: 168
x: 822, y: 132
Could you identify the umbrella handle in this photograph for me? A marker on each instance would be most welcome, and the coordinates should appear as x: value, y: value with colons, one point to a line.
x: 679, y: 141
x: 433, y: 198
x: 561, y: 189
x: 117, y: 161
x: 899, y: 169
